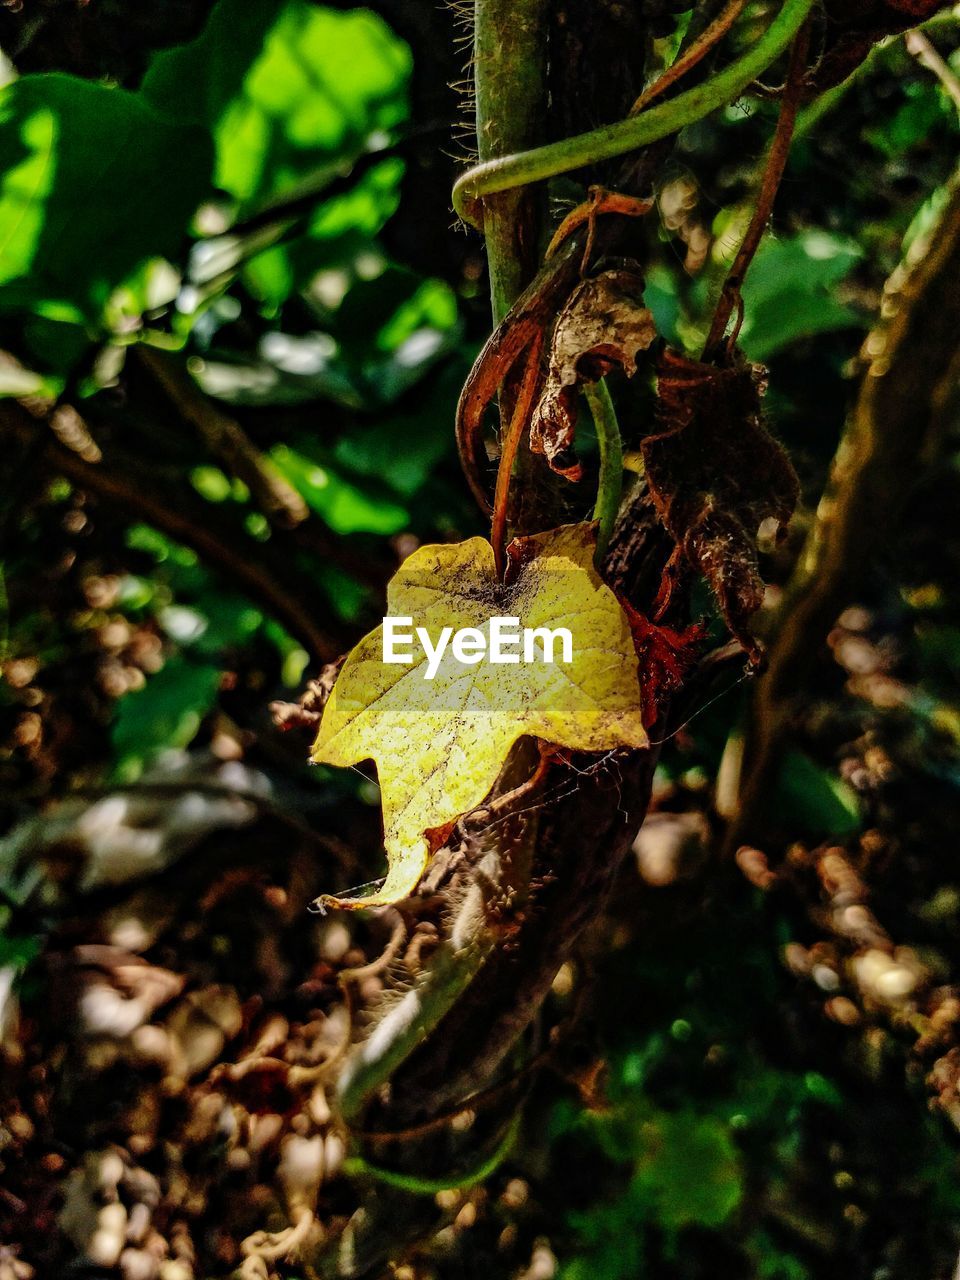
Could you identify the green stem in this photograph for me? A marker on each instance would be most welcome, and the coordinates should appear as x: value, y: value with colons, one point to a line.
x: 810, y: 116
x: 611, y: 461
x: 510, y: 80
x: 494, y: 176
x: 358, y: 1166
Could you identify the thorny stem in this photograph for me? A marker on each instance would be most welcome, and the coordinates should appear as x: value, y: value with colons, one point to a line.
x: 688, y: 59
x: 611, y: 462
x: 495, y: 176
x: 772, y: 176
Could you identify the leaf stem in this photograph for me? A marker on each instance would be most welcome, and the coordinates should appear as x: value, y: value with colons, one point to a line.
x: 504, y: 173
x: 611, y: 461
x: 509, y: 448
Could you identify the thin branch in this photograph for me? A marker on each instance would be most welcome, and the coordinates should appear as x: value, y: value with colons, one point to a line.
x: 690, y: 57
x: 772, y: 176
x: 263, y: 577
x: 226, y: 439
x: 921, y: 48
x: 599, y: 201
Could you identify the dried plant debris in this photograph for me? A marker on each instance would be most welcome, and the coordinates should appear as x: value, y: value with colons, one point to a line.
x: 716, y: 474
x: 170, y: 1125
x: 604, y: 326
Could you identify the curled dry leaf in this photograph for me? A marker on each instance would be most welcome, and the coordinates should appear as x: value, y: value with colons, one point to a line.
x: 604, y: 326
x: 665, y: 656
x: 440, y: 743
x: 715, y: 474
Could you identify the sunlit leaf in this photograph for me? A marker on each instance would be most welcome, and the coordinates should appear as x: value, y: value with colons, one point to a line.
x: 287, y: 90
x: 94, y: 182
x: 345, y: 507
x: 439, y: 744
x: 284, y: 88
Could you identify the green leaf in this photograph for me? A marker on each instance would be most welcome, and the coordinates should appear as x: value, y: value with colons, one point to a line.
x: 690, y: 1173
x: 788, y: 293
x: 926, y: 107
x: 288, y: 93
x: 392, y: 329
x: 166, y: 712
x: 813, y: 800
x: 94, y: 182
x: 284, y: 89
x: 424, y: 429
x: 344, y: 507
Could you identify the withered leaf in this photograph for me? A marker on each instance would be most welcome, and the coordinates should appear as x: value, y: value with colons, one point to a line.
x: 715, y: 474
x: 603, y: 326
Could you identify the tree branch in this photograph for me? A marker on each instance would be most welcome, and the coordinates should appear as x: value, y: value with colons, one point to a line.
x: 892, y: 433
x: 226, y: 440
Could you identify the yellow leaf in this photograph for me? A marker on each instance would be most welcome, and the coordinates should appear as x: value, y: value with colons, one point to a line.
x: 439, y: 743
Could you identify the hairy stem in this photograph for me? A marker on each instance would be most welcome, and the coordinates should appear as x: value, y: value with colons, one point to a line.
x: 510, y: 78
x: 495, y: 176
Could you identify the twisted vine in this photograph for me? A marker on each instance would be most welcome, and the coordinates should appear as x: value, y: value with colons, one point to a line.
x: 506, y: 173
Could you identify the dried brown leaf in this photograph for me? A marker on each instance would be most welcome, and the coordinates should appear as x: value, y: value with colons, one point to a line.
x: 603, y: 326
x: 716, y: 474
